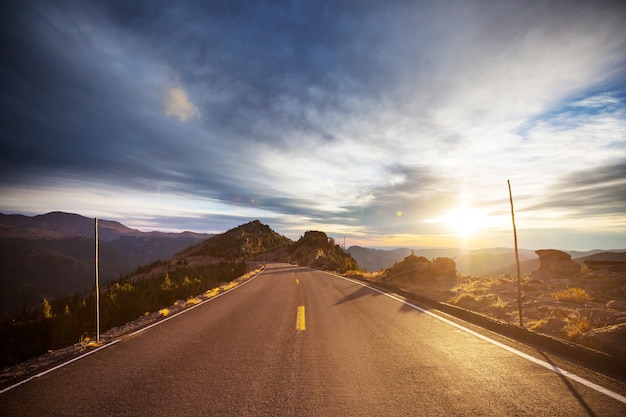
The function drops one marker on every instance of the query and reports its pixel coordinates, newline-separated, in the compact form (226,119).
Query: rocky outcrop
(418,268)
(555,264)
(316,250)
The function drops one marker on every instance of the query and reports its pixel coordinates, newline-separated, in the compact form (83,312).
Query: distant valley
(53,254)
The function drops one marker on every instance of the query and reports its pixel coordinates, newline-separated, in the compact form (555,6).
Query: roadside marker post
(97,289)
(519,280)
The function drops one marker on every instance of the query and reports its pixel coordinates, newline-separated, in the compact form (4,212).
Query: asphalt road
(298,342)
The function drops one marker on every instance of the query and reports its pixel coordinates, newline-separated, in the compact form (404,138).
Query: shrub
(573,294)
(465,300)
(576,325)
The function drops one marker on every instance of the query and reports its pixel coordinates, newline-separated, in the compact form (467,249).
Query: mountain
(53,254)
(256,241)
(59,225)
(377,259)
(316,250)
(611,256)
(243,242)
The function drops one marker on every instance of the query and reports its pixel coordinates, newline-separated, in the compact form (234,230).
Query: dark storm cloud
(255,71)
(62,108)
(256,62)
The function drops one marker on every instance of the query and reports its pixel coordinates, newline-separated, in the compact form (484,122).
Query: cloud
(177,104)
(316,115)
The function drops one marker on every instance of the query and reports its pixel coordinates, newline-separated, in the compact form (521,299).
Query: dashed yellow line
(300,320)
(297,281)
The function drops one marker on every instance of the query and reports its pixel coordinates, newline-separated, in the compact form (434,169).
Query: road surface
(298,342)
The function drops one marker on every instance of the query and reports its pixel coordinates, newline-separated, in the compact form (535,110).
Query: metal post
(519,281)
(97,290)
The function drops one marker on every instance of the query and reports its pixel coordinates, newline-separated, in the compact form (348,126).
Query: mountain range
(53,254)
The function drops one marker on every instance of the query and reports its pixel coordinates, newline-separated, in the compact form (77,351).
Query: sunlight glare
(465,221)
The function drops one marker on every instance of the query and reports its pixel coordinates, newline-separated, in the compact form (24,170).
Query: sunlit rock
(555,264)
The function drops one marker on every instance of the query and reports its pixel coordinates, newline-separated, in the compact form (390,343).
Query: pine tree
(47,309)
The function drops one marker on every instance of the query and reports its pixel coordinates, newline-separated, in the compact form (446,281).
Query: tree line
(66,320)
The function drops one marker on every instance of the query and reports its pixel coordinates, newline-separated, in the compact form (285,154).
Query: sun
(465,221)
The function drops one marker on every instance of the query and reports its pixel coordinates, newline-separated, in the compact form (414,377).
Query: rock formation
(555,264)
(418,268)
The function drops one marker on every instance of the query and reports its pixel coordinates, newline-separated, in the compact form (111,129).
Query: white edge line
(526,356)
(143,329)
(47,371)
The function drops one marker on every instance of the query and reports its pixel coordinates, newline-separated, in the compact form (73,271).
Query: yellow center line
(297,281)
(300,321)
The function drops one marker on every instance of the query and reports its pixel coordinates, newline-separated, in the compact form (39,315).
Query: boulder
(555,264)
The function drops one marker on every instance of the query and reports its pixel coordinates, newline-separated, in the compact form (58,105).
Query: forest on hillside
(68,319)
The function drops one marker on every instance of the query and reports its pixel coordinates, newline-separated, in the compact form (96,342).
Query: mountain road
(298,342)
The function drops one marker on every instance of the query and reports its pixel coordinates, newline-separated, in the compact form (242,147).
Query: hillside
(317,250)
(193,271)
(53,254)
(242,242)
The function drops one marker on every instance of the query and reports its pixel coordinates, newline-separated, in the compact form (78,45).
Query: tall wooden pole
(97,290)
(519,280)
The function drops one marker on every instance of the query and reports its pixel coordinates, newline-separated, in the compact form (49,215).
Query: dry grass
(229,286)
(87,342)
(571,294)
(212,293)
(192,302)
(576,325)
(375,276)
(537,324)
(464,300)
(250,274)
(469,300)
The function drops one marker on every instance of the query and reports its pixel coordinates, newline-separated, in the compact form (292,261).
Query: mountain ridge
(52,254)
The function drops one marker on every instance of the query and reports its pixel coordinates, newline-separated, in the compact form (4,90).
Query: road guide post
(519,282)
(97,289)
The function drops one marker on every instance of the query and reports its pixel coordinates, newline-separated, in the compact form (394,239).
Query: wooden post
(97,289)
(519,280)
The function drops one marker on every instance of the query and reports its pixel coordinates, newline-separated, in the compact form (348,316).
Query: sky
(389,124)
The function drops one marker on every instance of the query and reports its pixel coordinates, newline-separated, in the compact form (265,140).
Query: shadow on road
(361,292)
(277,270)
(570,387)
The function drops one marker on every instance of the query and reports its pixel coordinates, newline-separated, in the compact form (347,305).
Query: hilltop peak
(241,242)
